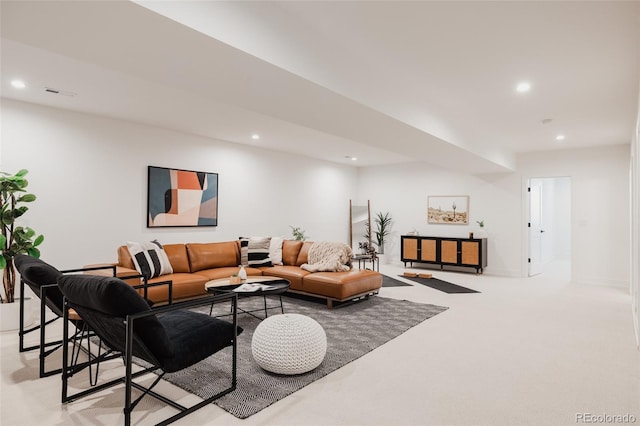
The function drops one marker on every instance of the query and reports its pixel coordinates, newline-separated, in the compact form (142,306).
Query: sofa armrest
(120,271)
(108,269)
(145,286)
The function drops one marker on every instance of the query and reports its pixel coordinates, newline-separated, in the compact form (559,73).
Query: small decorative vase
(242,273)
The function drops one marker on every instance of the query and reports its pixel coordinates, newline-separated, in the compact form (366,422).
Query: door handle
(542,231)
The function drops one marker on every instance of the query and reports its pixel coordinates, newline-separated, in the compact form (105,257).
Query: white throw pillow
(275,250)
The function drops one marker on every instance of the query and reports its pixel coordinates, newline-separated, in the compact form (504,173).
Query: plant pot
(383,259)
(10,314)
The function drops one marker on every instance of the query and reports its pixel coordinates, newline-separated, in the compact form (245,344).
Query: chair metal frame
(47,348)
(43,344)
(129,404)
(86,332)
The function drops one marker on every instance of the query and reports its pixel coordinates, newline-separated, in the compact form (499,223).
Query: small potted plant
(481,233)
(298,233)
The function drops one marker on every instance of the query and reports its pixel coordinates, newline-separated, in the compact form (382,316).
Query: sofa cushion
(124,258)
(342,285)
(292,273)
(149,258)
(226,272)
(303,256)
(290,251)
(177,254)
(213,255)
(183,286)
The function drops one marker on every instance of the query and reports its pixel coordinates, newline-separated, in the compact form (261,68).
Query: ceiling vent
(59,92)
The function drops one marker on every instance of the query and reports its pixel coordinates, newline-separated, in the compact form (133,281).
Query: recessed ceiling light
(523,87)
(348,157)
(354,158)
(255,136)
(560,137)
(18,84)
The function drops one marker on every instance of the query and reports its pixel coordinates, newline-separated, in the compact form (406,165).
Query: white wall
(403,190)
(635,226)
(90,176)
(599,206)
(599,202)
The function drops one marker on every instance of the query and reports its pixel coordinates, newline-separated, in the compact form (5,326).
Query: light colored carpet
(525,351)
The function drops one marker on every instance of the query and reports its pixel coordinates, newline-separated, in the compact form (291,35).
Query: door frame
(532,269)
(526,215)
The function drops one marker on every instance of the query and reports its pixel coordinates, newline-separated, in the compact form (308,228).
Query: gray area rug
(441,285)
(352,331)
(392,282)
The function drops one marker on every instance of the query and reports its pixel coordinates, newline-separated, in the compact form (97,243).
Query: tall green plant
(14,239)
(383,223)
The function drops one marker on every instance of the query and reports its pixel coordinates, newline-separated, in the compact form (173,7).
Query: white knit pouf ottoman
(289,344)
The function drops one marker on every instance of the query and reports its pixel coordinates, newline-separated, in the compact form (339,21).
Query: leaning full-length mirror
(360,217)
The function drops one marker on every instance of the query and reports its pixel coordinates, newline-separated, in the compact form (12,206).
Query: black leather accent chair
(170,338)
(42,279)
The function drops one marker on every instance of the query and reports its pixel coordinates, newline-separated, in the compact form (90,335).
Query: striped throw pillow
(244,251)
(149,259)
(258,251)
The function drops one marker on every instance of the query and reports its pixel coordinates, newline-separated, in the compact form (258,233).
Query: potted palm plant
(14,239)
(383,228)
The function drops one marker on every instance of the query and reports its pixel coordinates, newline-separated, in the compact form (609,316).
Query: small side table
(364,258)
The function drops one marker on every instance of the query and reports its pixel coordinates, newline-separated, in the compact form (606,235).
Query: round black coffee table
(254,286)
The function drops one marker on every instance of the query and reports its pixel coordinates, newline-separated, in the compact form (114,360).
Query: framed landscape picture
(448,209)
(181,198)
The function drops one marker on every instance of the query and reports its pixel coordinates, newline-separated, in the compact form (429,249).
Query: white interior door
(535,228)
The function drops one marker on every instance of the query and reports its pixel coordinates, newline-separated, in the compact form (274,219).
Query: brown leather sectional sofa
(196,263)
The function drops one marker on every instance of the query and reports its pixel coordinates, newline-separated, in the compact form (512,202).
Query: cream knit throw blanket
(328,256)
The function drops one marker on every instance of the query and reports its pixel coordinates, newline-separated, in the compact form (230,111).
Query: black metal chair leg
(75,349)
(93,379)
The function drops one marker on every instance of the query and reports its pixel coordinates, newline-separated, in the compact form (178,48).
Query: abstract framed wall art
(181,198)
(448,209)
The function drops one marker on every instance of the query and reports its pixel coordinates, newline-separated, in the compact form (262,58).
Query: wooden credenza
(466,252)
